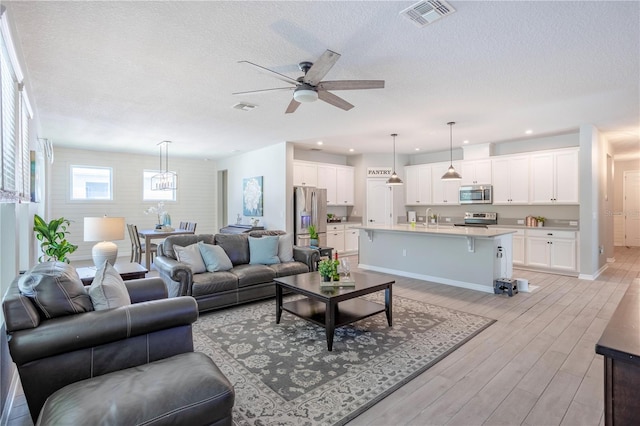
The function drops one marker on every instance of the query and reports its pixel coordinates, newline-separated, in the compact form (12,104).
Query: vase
(313,242)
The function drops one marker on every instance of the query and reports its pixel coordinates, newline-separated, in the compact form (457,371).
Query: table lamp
(104,229)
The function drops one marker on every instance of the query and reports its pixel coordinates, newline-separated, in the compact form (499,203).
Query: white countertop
(462,231)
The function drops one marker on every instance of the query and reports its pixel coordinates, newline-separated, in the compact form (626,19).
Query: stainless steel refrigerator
(310,208)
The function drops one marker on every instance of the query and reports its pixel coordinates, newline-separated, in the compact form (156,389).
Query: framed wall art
(252,196)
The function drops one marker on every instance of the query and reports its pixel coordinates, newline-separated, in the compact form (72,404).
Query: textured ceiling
(123,76)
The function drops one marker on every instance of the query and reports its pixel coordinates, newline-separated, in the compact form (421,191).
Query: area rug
(283,373)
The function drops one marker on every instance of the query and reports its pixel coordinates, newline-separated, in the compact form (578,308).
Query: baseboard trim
(611,260)
(593,277)
(437,280)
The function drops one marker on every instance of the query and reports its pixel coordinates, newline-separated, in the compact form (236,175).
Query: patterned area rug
(283,373)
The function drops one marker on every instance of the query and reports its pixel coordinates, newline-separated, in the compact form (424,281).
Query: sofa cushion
(214,257)
(183,241)
(236,246)
(107,289)
(289,268)
(253,274)
(209,283)
(55,289)
(190,256)
(263,251)
(285,248)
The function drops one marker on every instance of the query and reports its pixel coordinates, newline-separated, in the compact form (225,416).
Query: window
(91,183)
(152,195)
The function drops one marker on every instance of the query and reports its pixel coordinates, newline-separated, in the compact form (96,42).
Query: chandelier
(165,180)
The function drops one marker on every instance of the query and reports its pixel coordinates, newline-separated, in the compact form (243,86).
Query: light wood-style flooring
(535,366)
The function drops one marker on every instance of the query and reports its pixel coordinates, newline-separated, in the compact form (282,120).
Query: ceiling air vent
(243,106)
(424,13)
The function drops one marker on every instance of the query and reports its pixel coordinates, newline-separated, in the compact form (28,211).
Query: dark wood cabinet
(620,346)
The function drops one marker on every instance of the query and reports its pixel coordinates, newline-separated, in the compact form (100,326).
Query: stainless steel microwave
(476,194)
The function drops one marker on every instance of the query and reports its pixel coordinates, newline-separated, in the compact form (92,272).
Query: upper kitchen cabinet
(510,179)
(554,177)
(444,191)
(339,182)
(417,185)
(476,172)
(305,173)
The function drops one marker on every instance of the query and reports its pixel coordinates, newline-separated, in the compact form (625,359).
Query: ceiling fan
(309,87)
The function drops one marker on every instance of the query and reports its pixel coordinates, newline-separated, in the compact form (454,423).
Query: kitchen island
(466,257)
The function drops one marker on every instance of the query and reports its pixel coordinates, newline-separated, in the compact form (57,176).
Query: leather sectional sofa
(244,282)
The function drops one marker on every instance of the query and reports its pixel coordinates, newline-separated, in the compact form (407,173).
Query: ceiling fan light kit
(451,173)
(310,87)
(394,180)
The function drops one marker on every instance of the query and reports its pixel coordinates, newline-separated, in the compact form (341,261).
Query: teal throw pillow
(263,250)
(214,257)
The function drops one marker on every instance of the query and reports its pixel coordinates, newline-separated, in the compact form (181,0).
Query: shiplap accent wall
(196,199)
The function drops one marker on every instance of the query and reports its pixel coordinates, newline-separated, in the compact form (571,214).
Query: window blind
(8,105)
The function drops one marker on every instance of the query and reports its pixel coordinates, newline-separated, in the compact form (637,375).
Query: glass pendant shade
(451,173)
(394,180)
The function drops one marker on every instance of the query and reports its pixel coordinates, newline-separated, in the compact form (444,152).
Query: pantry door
(378,202)
(631,207)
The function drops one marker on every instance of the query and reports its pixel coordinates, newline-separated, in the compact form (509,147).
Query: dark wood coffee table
(337,306)
(128,271)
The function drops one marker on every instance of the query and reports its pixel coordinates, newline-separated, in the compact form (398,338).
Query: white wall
(195,200)
(270,163)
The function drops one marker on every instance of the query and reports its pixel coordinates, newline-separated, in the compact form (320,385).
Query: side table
(128,271)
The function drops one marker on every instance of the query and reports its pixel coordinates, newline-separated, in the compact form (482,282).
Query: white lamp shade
(104,229)
(305,95)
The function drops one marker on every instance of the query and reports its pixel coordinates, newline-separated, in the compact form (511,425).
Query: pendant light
(451,174)
(394,180)
(165,180)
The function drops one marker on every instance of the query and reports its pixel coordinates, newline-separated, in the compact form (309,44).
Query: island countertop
(463,231)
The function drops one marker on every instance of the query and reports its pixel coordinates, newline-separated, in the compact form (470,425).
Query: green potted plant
(54,244)
(540,220)
(328,268)
(313,236)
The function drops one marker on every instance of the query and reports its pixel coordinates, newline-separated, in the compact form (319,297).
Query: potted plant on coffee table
(328,269)
(313,236)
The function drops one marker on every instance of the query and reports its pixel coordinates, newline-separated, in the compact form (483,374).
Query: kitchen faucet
(427,218)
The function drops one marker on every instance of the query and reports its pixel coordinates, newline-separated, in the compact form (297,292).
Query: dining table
(150,234)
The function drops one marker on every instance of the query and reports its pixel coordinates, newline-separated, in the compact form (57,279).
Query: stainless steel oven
(476,194)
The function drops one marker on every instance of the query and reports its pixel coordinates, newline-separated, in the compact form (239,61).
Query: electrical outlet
(404,252)
(420,218)
(573,223)
(520,221)
(447,219)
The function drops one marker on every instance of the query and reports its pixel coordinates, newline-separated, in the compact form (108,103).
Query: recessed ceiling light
(319,142)
(528,131)
(465,141)
(417,149)
(351,149)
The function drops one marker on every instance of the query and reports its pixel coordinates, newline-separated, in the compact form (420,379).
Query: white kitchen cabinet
(444,191)
(417,185)
(551,249)
(554,177)
(510,179)
(345,186)
(351,239)
(305,173)
(518,249)
(476,172)
(335,237)
(339,183)
(327,179)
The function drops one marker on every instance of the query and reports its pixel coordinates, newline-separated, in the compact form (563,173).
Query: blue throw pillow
(263,250)
(214,257)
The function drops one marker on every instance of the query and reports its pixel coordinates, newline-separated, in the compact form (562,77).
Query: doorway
(378,202)
(223,219)
(631,207)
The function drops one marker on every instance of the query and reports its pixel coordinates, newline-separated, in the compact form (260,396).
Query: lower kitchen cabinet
(343,238)
(518,248)
(551,249)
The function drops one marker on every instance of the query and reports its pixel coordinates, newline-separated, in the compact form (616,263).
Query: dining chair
(183,225)
(132,237)
(191,226)
(140,247)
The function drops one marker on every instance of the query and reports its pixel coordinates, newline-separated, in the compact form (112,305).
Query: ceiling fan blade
(263,90)
(334,100)
(293,106)
(321,67)
(351,85)
(271,72)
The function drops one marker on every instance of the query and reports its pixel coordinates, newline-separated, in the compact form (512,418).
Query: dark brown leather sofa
(243,283)
(82,343)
